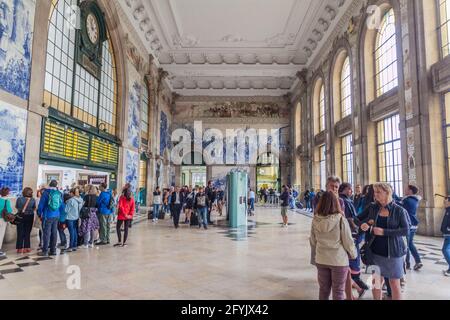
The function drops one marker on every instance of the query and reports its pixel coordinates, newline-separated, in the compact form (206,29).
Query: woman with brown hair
(26,206)
(125,215)
(89,220)
(331,246)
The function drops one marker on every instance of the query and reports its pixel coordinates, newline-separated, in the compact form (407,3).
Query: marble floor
(265,261)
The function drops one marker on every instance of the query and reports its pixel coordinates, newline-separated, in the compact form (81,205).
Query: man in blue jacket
(105,210)
(50,207)
(411,202)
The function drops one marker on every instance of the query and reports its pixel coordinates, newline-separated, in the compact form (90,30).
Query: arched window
(78,94)
(444,10)
(386,55)
(346,92)
(322,109)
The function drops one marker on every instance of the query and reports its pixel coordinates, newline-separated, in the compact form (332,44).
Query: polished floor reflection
(264,261)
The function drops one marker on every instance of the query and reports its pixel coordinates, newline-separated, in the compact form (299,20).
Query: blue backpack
(54,200)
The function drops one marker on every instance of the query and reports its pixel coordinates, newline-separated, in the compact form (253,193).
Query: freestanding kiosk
(237,199)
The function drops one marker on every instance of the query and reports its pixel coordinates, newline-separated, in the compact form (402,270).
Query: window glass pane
(386,55)
(322,109)
(347,159)
(389,153)
(445,26)
(346,97)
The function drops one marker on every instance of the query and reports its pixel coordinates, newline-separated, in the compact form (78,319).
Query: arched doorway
(193,174)
(268,174)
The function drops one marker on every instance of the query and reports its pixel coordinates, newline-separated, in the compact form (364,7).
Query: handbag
(18,218)
(366,252)
(37,223)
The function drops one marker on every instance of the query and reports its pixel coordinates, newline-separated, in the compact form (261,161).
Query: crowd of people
(374,227)
(85,212)
(371,226)
(197,204)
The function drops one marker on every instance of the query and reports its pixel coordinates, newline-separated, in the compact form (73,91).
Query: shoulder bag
(366,252)
(18,218)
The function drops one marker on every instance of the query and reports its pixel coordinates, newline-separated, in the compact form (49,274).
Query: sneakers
(446,273)
(418,266)
(91,245)
(42,254)
(85,246)
(20,251)
(124,245)
(118,245)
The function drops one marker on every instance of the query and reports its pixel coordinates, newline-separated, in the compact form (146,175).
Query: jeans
(24,231)
(308,204)
(446,250)
(412,248)
(203,214)
(105,225)
(156,208)
(62,237)
(355,264)
(50,231)
(252,204)
(73,233)
(332,279)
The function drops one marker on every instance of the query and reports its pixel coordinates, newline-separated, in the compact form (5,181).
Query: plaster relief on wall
(233,110)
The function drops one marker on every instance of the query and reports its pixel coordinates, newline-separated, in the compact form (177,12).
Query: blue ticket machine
(237,188)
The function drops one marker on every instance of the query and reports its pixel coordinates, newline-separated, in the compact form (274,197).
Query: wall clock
(90,38)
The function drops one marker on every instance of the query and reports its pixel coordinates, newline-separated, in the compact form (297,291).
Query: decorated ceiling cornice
(212,47)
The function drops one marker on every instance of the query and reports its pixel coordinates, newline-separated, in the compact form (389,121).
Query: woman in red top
(125,214)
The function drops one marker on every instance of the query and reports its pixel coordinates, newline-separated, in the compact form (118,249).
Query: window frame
(379,89)
(322,107)
(341,87)
(347,158)
(392,143)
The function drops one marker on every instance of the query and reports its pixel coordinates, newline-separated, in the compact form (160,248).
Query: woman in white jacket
(331,246)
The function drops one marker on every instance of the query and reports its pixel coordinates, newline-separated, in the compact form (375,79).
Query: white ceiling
(233,47)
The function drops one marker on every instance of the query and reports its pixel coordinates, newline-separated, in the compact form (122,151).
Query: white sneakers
(87,246)
(446,273)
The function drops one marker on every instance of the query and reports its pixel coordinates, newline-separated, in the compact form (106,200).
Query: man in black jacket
(345,193)
(211,197)
(176,203)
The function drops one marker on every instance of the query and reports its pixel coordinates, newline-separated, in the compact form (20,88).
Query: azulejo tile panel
(13,124)
(16,36)
(134,113)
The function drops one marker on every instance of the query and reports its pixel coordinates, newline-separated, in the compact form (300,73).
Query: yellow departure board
(62,141)
(66,143)
(104,152)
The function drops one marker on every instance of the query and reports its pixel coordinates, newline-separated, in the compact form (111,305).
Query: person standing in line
(386,225)
(284,197)
(252,197)
(26,206)
(200,204)
(156,204)
(105,205)
(89,219)
(345,193)
(445,229)
(331,246)
(126,211)
(176,204)
(62,225)
(115,197)
(410,203)
(5,206)
(220,201)
(72,209)
(49,210)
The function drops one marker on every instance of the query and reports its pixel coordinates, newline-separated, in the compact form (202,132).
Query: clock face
(92,28)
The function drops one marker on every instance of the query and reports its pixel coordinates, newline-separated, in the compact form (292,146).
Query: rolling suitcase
(194,219)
